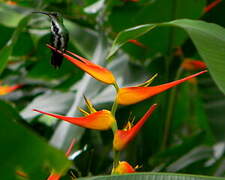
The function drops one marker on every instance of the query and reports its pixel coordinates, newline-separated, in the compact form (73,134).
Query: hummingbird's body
(59,37)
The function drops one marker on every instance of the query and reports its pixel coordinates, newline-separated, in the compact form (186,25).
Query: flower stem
(115,128)
(114,108)
(172,98)
(116,159)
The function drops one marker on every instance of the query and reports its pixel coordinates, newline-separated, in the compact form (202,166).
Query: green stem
(170,110)
(115,127)
(116,160)
(115,104)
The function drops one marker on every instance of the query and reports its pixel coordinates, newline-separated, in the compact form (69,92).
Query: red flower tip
(123,137)
(191,64)
(70,147)
(132,95)
(7,89)
(54,176)
(98,72)
(100,120)
(212,5)
(137,43)
(57,176)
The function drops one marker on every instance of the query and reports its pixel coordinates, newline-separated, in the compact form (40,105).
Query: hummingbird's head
(53,15)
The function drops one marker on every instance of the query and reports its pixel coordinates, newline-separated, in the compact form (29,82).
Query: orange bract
(212,5)
(98,72)
(100,120)
(137,43)
(123,137)
(132,95)
(54,176)
(191,64)
(7,89)
(123,168)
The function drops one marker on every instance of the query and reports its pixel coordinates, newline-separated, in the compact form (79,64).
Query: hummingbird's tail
(56,59)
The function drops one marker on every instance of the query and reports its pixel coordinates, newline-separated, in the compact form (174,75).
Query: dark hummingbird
(59,37)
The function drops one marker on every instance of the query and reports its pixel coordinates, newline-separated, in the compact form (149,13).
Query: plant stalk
(169,115)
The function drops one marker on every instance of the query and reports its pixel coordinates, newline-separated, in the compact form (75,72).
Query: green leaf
(6,51)
(22,150)
(208,38)
(46,102)
(8,16)
(160,40)
(197,154)
(154,176)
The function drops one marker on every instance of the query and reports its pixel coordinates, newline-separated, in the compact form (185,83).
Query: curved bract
(132,95)
(100,120)
(123,137)
(98,72)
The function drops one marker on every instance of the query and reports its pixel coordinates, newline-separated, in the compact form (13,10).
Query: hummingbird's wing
(56,59)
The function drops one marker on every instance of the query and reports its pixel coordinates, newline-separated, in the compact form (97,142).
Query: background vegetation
(194,142)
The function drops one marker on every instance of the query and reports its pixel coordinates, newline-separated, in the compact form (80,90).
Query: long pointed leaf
(208,38)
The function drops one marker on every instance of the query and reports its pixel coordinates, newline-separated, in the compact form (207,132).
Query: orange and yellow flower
(123,137)
(132,95)
(100,120)
(192,65)
(7,89)
(98,72)
(123,168)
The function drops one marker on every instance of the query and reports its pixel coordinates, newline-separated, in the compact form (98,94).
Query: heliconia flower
(123,137)
(132,95)
(98,72)
(137,43)
(11,2)
(7,89)
(191,64)
(211,5)
(54,176)
(57,176)
(100,120)
(123,168)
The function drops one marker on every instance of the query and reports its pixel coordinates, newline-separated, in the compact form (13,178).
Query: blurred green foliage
(195,142)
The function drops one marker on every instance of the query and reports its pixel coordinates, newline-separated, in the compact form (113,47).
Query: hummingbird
(59,37)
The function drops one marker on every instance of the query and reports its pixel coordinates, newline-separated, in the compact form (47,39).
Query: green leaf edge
(152,174)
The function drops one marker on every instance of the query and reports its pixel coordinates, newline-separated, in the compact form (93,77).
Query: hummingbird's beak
(40,12)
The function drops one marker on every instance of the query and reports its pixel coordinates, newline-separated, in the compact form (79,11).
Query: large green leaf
(9,16)
(23,151)
(46,102)
(6,51)
(159,40)
(154,176)
(208,38)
